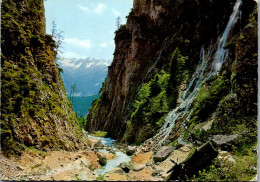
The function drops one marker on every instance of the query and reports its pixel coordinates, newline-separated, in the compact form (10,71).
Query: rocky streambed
(105,160)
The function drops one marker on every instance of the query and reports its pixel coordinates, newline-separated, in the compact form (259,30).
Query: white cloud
(116,12)
(79,43)
(97,10)
(100,8)
(74,64)
(84,8)
(68,54)
(103,45)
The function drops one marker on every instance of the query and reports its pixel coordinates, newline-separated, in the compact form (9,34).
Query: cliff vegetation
(35,111)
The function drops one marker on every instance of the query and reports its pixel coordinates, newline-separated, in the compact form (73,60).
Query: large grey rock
(198,160)
(102,158)
(125,167)
(224,141)
(130,150)
(162,154)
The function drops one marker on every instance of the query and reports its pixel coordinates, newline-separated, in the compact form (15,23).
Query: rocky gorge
(182,76)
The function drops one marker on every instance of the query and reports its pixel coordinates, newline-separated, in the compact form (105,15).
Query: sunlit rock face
(153,30)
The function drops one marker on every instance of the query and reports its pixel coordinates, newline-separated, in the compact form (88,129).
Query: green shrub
(241,171)
(176,144)
(178,73)
(151,103)
(28,73)
(99,133)
(208,98)
(82,121)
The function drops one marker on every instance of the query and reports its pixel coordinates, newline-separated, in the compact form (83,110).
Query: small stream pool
(111,164)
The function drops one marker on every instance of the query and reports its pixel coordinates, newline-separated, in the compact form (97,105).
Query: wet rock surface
(102,158)
(130,150)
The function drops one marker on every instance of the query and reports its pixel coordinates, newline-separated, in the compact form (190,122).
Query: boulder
(98,144)
(162,154)
(148,164)
(196,161)
(138,167)
(125,167)
(116,174)
(102,158)
(130,150)
(142,158)
(177,156)
(224,141)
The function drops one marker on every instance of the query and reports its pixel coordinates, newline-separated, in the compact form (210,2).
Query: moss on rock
(35,110)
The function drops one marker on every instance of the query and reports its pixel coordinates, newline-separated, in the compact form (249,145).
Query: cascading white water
(221,54)
(198,77)
(185,104)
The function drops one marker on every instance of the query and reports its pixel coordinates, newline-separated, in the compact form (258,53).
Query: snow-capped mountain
(88,74)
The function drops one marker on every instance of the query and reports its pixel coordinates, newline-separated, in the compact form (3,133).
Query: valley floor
(99,163)
(80,165)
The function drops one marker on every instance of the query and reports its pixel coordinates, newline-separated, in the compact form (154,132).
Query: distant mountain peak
(80,63)
(87,73)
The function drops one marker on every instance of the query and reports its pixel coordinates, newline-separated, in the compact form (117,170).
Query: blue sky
(88,25)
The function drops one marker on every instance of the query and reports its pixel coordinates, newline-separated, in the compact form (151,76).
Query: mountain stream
(111,164)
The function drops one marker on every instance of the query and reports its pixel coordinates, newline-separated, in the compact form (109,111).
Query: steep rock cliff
(159,35)
(229,100)
(35,111)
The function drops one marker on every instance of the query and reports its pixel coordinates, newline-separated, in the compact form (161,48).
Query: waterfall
(221,54)
(199,76)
